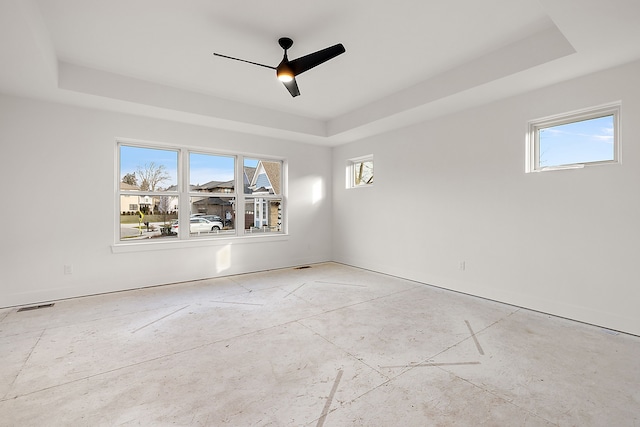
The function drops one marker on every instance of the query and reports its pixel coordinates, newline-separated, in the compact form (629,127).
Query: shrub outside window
(574,140)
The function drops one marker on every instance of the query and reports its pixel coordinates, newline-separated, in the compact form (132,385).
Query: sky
(202,167)
(580,142)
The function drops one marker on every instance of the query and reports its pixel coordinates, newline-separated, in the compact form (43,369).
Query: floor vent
(35,307)
(303,267)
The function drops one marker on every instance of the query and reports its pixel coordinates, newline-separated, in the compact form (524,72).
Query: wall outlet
(462,265)
(68,269)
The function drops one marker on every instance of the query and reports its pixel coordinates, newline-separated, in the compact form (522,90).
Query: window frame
(265,199)
(351,169)
(190,193)
(184,194)
(535,126)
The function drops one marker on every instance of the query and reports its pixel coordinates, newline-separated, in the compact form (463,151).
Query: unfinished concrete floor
(328,345)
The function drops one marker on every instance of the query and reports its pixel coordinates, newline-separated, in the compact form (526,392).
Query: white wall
(58,166)
(448,190)
(454,189)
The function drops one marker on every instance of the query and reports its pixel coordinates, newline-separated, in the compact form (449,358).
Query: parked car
(212,218)
(198,225)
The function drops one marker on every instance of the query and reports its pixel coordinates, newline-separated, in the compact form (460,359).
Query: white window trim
(350,171)
(239,237)
(532,160)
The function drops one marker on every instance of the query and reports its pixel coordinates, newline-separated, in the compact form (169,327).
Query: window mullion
(183,185)
(240,196)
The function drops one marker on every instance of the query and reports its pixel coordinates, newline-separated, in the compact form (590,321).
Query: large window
(164,191)
(574,140)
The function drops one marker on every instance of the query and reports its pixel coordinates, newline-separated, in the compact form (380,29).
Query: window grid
(229,195)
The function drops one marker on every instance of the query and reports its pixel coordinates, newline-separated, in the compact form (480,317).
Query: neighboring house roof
(175,188)
(267,177)
(273,170)
(130,187)
(212,201)
(249,171)
(211,186)
(207,186)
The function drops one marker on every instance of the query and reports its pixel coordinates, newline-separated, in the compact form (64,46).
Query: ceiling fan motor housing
(285,42)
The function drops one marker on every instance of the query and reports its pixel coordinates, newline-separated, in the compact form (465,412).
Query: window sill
(118,248)
(575,166)
(559,168)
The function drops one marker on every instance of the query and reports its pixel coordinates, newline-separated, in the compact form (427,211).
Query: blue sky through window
(204,168)
(579,142)
(251,162)
(132,158)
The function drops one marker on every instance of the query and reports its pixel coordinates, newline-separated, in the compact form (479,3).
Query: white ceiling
(405,60)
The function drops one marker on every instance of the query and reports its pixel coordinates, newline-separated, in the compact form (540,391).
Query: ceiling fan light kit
(287,70)
(284,72)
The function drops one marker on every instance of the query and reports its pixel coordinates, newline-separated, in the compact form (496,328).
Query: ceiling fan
(287,70)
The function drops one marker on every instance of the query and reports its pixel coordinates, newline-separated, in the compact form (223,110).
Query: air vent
(36,307)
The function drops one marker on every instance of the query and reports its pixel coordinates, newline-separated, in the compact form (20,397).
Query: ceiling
(406,61)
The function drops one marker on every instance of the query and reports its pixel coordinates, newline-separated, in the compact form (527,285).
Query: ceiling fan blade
(307,62)
(244,60)
(292,87)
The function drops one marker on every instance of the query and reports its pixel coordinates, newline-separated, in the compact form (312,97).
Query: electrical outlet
(462,265)
(68,269)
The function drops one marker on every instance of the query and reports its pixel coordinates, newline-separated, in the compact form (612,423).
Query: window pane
(579,142)
(363,173)
(148,169)
(147,217)
(211,174)
(262,176)
(220,212)
(262,215)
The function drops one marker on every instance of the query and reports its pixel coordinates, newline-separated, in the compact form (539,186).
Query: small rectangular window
(360,172)
(574,140)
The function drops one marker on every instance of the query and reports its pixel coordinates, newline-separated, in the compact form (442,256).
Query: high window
(177,193)
(360,172)
(574,140)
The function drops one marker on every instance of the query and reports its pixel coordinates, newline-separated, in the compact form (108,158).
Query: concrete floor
(329,345)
